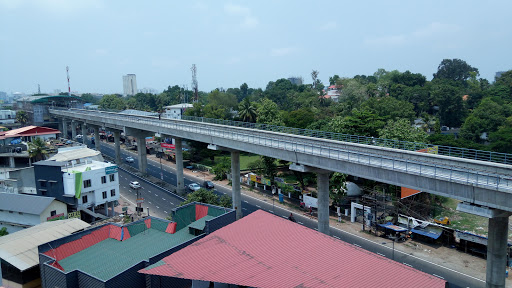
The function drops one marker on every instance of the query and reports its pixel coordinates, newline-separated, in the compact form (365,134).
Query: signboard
(259,179)
(111,170)
(74,215)
(140,200)
(56,217)
(169,146)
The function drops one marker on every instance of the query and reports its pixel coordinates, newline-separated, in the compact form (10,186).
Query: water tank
(353,189)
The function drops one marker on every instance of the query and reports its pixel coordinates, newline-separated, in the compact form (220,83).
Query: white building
(19,211)
(176,111)
(129,85)
(7,116)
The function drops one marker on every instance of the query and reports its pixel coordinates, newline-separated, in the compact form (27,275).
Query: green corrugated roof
(111,257)
(199,224)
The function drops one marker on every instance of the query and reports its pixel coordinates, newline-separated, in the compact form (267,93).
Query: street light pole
(161,172)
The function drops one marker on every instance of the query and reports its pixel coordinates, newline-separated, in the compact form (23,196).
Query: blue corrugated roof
(393,227)
(430,234)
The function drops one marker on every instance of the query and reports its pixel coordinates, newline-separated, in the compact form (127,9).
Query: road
(161,202)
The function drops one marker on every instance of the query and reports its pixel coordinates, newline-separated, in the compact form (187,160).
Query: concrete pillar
(84,133)
(97,138)
(60,126)
(117,145)
(106,208)
(235,181)
(497,251)
(180,181)
(73,129)
(64,128)
(11,162)
(323,202)
(142,153)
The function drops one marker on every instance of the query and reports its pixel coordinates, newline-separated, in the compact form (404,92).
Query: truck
(309,201)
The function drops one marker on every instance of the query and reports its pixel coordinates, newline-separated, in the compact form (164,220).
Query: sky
(232,42)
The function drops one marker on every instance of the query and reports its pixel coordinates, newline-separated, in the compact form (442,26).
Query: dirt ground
(444,256)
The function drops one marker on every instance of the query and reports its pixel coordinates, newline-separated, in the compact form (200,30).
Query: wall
(25,179)
(95,191)
(56,189)
(17,218)
(56,205)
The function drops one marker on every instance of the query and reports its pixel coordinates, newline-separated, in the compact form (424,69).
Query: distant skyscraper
(498,74)
(296,80)
(129,85)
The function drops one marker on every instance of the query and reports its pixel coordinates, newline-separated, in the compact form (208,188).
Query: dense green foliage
(209,197)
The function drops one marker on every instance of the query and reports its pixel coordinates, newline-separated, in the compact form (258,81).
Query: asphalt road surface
(161,202)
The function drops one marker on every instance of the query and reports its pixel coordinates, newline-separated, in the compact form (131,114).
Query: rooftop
(20,248)
(29,204)
(241,254)
(74,153)
(28,131)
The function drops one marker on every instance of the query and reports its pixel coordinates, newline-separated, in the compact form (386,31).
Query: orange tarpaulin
(406,192)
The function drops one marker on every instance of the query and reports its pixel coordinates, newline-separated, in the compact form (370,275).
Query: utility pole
(194,82)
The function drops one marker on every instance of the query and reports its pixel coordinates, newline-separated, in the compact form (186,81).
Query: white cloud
(392,40)
(329,26)
(278,52)
(430,33)
(247,21)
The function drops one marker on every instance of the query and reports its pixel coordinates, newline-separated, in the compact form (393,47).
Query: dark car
(208,185)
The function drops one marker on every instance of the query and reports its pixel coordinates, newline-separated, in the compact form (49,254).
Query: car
(190,167)
(79,136)
(194,187)
(135,185)
(208,185)
(129,159)
(69,142)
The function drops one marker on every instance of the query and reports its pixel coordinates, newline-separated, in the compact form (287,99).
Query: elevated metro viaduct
(484,187)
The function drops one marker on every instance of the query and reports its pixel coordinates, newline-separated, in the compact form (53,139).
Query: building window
(53,213)
(103,179)
(84,198)
(87,183)
(112,192)
(112,177)
(104,193)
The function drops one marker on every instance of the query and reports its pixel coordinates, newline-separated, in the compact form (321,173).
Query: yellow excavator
(443,220)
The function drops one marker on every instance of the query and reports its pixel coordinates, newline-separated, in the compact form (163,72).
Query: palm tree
(247,111)
(37,149)
(22,117)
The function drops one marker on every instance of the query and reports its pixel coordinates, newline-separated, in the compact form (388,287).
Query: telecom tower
(69,87)
(194,82)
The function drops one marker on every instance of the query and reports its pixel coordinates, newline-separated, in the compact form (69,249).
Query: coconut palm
(22,117)
(247,111)
(37,149)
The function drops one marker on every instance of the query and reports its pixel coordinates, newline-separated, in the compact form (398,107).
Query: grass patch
(463,221)
(245,160)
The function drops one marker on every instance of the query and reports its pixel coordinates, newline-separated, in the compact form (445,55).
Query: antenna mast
(194,82)
(69,87)
(38,89)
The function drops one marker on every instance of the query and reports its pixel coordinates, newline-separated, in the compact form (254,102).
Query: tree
(268,113)
(244,90)
(353,93)
(401,129)
(454,69)
(390,108)
(226,201)
(299,118)
(360,122)
(37,149)
(247,111)
(487,117)
(221,169)
(3,231)
(337,187)
(112,102)
(89,98)
(448,97)
(501,140)
(22,117)
(314,76)
(269,167)
(203,196)
(333,79)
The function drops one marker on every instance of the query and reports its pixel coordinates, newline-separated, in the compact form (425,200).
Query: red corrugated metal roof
(28,131)
(263,250)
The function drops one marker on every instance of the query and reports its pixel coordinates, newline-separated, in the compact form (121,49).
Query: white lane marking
(142,187)
(149,202)
(258,206)
(381,254)
(156,195)
(244,208)
(245,201)
(438,276)
(157,207)
(171,203)
(163,199)
(336,237)
(409,265)
(316,229)
(284,217)
(165,212)
(300,223)
(357,245)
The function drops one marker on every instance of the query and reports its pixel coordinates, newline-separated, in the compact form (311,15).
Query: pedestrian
(310,211)
(291,218)
(159,116)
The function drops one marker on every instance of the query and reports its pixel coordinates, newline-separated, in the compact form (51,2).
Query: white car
(129,159)
(135,185)
(194,187)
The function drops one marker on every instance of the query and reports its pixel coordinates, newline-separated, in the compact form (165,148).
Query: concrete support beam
(97,138)
(117,145)
(11,162)
(323,201)
(73,129)
(497,252)
(142,153)
(84,133)
(64,128)
(235,181)
(61,129)
(180,181)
